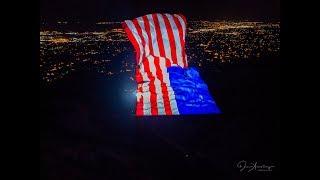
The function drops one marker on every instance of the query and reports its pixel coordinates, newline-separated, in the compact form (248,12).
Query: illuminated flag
(166,86)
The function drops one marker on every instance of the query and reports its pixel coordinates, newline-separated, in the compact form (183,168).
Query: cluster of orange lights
(59,40)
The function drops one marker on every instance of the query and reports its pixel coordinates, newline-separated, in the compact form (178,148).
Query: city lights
(110,53)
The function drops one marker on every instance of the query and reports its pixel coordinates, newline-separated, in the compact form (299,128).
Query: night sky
(118,10)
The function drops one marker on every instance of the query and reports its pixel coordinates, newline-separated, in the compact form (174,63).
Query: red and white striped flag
(159,42)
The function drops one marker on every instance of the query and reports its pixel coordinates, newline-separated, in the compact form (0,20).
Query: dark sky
(118,10)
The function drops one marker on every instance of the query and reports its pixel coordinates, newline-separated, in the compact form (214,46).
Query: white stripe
(157,83)
(160,104)
(139,93)
(176,39)
(143,73)
(146,99)
(153,36)
(145,36)
(183,26)
(137,37)
(172,97)
(165,37)
(145,92)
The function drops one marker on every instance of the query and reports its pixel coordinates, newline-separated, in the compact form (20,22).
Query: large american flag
(159,42)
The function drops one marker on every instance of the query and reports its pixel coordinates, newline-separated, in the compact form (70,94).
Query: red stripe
(158,72)
(139,78)
(132,40)
(136,25)
(139,106)
(157,67)
(159,38)
(147,28)
(171,39)
(184,19)
(180,29)
(152,88)
(166,100)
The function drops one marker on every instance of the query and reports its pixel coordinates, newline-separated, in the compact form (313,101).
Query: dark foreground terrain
(89,131)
